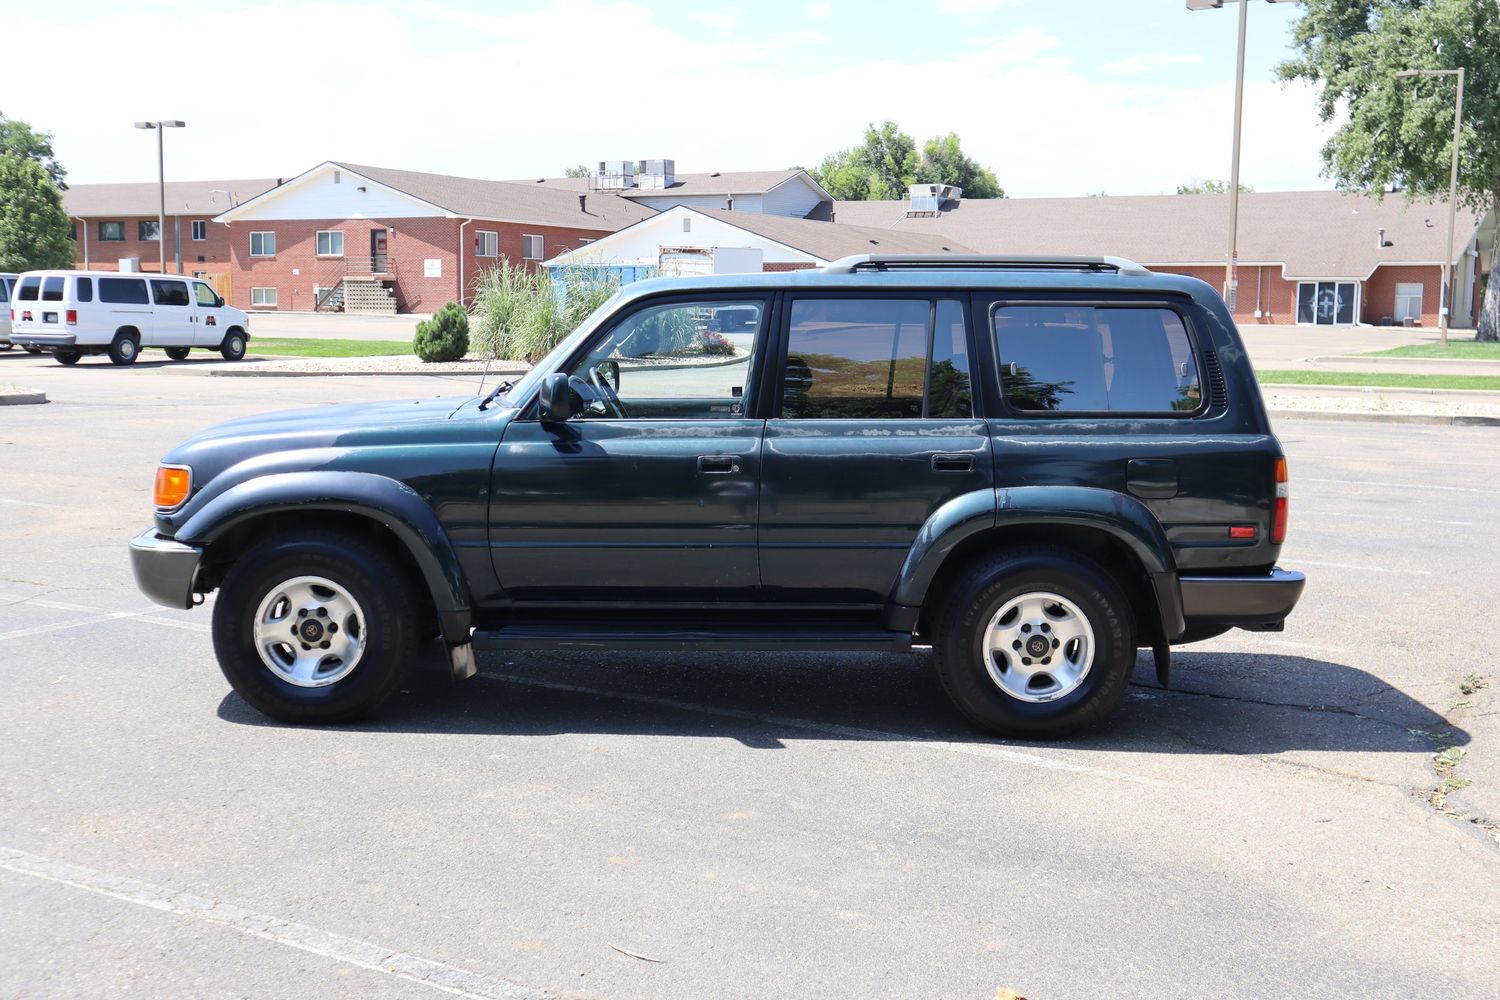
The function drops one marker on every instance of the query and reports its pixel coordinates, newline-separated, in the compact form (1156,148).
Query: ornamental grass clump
(520,315)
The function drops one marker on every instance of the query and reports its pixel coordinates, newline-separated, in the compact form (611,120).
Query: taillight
(72,317)
(1279,512)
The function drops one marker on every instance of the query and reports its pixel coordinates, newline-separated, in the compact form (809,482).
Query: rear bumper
(43,339)
(1241,600)
(164,569)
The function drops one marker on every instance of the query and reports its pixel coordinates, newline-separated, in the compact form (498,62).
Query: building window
(263,245)
(200,230)
(486,244)
(531,247)
(1326,303)
(147,232)
(584,242)
(263,297)
(73,231)
(111,232)
(1408,301)
(330,243)
(687,225)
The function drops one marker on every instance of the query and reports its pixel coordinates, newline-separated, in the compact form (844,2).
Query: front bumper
(1245,601)
(164,569)
(51,340)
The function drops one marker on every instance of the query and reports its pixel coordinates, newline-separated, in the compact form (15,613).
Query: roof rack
(963,262)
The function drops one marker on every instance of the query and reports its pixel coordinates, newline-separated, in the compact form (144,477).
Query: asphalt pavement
(747,825)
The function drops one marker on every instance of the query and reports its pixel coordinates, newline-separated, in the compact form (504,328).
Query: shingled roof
(89,201)
(1315,234)
(716,183)
(832,240)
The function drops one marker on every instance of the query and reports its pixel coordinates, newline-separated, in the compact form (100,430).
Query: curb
(1489,364)
(313,373)
(1355,416)
(21,398)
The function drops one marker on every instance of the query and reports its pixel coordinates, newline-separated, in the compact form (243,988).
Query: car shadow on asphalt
(1234,703)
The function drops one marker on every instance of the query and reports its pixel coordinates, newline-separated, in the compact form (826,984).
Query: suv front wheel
(1036,643)
(315,629)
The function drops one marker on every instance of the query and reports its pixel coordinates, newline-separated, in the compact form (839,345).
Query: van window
(4,290)
(52,288)
(123,291)
(1068,358)
(206,295)
(83,289)
(170,293)
(29,288)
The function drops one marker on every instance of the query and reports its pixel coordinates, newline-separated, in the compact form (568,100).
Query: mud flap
(1162,654)
(461,661)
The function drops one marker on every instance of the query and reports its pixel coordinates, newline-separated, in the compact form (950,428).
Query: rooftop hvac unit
(657,173)
(616,174)
(930,199)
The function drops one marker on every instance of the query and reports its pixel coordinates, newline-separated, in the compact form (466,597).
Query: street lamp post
(1458,110)
(161,184)
(1232,261)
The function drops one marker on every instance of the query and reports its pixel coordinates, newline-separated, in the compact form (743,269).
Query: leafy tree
(891,156)
(33,225)
(1400,130)
(578,171)
(945,162)
(22,140)
(1211,186)
(844,175)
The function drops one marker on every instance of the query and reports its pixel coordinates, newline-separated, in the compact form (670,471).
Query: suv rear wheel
(1035,643)
(315,629)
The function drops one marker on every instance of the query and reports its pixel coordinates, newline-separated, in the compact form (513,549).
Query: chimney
(1380,239)
(584,198)
(730,206)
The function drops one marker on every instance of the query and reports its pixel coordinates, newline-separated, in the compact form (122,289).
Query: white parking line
(1414,488)
(1372,569)
(98,615)
(833,729)
(1403,519)
(351,951)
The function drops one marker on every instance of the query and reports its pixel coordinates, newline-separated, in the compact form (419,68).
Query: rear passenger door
(174,324)
(874,428)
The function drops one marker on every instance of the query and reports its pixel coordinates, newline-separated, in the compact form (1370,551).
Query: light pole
(1458,110)
(1232,261)
(161,183)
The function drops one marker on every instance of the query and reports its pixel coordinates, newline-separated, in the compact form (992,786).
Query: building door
(378,251)
(1327,303)
(1409,301)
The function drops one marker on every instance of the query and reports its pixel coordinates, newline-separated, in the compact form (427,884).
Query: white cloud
(819,11)
(1151,63)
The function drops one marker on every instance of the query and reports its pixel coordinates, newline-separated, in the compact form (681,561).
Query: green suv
(1033,467)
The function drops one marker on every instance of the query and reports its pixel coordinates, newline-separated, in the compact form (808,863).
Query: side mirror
(555,403)
(609,370)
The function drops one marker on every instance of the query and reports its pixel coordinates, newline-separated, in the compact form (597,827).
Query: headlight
(173,483)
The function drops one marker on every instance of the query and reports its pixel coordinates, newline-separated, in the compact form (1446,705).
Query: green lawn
(1465,350)
(300,347)
(1389,380)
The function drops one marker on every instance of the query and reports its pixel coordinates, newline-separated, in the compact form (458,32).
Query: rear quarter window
(1077,358)
(28,290)
(52,288)
(123,291)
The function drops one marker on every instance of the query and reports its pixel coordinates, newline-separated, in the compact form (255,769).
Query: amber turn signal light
(172,485)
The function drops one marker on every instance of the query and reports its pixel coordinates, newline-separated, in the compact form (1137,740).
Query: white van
(6,281)
(73,313)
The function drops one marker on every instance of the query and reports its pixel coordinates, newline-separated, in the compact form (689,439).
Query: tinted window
(123,291)
(948,392)
(856,358)
(672,361)
(83,289)
(206,296)
(169,293)
(1087,359)
(111,231)
(4,290)
(29,288)
(52,288)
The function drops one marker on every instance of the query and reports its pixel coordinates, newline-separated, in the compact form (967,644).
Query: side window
(1067,358)
(206,295)
(4,290)
(83,289)
(29,289)
(52,288)
(869,359)
(686,361)
(169,293)
(123,291)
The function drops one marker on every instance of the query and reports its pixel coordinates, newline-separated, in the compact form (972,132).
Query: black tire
(982,592)
(66,356)
(379,587)
(33,350)
(233,345)
(6,346)
(124,349)
(178,353)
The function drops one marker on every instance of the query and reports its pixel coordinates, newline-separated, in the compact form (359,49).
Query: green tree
(1210,185)
(33,225)
(844,175)
(22,140)
(891,156)
(578,171)
(945,162)
(1399,130)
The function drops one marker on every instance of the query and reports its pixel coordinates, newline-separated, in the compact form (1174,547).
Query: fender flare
(388,502)
(1122,517)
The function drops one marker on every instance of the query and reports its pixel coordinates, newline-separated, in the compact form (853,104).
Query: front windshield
(555,357)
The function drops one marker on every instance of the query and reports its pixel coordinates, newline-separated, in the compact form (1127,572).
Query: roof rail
(962,261)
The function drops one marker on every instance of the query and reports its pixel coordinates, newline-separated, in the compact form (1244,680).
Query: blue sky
(1060,97)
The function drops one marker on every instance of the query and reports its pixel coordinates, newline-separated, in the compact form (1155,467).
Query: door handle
(952,463)
(718,465)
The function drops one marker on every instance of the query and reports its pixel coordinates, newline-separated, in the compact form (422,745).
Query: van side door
(174,314)
(124,302)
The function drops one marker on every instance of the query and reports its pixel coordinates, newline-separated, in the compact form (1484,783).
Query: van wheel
(66,357)
(1035,643)
(178,353)
(124,349)
(233,347)
(6,346)
(315,628)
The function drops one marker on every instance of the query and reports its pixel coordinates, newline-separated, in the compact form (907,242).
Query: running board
(728,636)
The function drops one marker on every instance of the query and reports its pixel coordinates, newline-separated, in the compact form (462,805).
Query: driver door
(650,494)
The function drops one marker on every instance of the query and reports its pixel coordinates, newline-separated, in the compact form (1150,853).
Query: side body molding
(387,501)
(1122,517)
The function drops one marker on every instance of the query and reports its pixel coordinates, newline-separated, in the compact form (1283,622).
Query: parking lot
(746,825)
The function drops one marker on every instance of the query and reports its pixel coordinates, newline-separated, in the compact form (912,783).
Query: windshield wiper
(502,387)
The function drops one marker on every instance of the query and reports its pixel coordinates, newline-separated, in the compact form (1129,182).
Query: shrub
(445,337)
(520,315)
